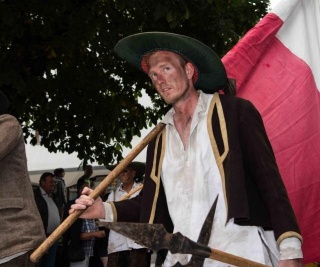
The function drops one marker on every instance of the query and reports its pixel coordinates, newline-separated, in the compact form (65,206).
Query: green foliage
(59,70)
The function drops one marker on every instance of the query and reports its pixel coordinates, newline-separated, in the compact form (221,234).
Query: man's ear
(189,70)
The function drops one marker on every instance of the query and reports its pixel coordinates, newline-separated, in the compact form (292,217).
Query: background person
(123,251)
(60,191)
(82,234)
(49,214)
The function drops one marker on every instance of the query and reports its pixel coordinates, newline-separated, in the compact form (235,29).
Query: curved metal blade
(203,239)
(153,236)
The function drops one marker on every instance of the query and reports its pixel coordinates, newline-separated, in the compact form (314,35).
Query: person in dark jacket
(49,214)
(81,236)
(60,191)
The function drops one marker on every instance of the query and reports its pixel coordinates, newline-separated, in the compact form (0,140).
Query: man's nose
(160,79)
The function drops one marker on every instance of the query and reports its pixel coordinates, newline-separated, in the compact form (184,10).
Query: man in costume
(213,144)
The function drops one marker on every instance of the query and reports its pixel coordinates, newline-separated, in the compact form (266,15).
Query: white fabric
(301,32)
(290,248)
(108,213)
(118,242)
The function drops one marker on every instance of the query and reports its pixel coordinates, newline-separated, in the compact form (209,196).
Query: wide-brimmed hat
(138,166)
(210,72)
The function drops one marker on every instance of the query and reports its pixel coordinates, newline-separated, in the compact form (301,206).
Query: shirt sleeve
(108,213)
(290,248)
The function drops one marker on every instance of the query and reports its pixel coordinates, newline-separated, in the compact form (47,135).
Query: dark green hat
(210,72)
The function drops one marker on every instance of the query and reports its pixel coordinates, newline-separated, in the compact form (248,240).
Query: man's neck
(183,116)
(186,107)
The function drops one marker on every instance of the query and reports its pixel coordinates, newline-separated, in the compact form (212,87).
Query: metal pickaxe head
(155,236)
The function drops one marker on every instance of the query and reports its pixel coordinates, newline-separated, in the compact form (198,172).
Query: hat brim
(139,167)
(211,71)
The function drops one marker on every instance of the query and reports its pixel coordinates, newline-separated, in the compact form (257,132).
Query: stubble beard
(175,99)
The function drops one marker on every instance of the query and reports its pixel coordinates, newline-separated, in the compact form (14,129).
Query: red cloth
(281,81)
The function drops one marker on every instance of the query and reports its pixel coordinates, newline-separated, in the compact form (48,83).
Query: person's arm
(261,164)
(97,234)
(94,208)
(290,252)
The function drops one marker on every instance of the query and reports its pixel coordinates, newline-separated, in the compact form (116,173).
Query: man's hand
(100,234)
(94,208)
(290,263)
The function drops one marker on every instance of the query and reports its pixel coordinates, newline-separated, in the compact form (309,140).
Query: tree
(59,70)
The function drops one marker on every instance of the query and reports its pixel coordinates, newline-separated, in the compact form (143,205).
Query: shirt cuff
(290,248)
(108,213)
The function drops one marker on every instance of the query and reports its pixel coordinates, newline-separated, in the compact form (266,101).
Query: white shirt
(53,212)
(118,242)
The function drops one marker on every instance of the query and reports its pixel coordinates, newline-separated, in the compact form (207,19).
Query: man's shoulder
(10,124)
(231,103)
(37,191)
(233,98)
(8,117)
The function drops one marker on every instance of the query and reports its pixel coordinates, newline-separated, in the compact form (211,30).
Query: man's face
(127,176)
(48,184)
(170,79)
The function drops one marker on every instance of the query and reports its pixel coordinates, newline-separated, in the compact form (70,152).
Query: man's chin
(169,100)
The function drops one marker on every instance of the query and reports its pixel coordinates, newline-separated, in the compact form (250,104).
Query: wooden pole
(65,225)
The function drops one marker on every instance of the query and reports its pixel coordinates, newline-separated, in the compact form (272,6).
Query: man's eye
(166,68)
(153,75)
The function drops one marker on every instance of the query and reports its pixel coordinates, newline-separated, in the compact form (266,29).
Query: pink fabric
(282,87)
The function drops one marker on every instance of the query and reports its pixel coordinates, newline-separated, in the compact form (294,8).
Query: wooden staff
(65,225)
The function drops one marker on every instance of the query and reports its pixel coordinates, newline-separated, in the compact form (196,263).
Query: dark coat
(254,190)
(72,235)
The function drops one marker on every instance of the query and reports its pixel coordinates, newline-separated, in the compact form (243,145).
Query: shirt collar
(201,106)
(43,193)
(134,186)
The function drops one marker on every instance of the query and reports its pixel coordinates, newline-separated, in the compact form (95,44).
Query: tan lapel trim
(157,176)
(216,102)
